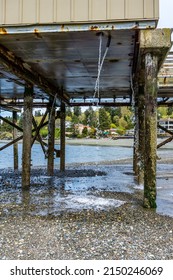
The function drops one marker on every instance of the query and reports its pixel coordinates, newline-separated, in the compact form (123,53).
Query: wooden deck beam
(24,71)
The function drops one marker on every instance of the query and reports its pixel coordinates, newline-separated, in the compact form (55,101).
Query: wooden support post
(135,147)
(51,140)
(151,70)
(62,143)
(141,134)
(153,48)
(27,137)
(15,145)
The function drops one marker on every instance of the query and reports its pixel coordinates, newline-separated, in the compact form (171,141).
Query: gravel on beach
(128,232)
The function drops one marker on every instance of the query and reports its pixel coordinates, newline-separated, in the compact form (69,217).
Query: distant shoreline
(128,143)
(91,142)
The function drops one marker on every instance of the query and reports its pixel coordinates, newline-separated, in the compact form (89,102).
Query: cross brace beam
(35,129)
(167,140)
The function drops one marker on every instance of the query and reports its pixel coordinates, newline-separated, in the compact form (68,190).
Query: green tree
(170,111)
(44,132)
(5,127)
(112,125)
(37,113)
(85,132)
(75,119)
(116,120)
(104,119)
(123,123)
(114,112)
(90,117)
(57,133)
(69,112)
(92,132)
(20,121)
(162,112)
(77,111)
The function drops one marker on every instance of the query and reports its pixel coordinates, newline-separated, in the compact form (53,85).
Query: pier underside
(60,68)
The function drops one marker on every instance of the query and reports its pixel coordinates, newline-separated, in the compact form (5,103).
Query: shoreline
(126,143)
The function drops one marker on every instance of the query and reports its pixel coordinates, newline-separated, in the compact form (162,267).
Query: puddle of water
(89,202)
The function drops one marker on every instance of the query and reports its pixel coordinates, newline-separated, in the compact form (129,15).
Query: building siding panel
(46,11)
(63,11)
(98,9)
(12,11)
(80,10)
(1,10)
(134,9)
(156,8)
(115,10)
(148,8)
(29,11)
(66,11)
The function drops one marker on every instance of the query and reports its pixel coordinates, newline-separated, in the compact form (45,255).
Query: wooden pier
(54,64)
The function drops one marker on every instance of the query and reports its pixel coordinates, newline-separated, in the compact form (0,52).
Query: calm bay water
(74,154)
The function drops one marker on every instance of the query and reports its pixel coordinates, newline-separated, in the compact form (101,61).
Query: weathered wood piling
(154,45)
(15,145)
(27,136)
(51,139)
(62,138)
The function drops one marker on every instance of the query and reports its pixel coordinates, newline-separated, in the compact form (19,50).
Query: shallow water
(54,196)
(74,154)
(79,189)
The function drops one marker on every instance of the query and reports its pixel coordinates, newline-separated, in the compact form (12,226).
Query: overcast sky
(166,14)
